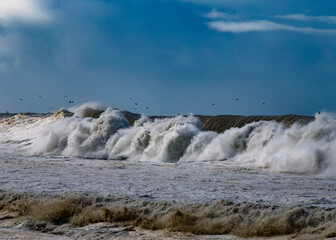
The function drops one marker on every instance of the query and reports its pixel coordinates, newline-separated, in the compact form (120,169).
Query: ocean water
(261,179)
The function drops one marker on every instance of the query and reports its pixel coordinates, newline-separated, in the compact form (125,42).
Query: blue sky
(172,56)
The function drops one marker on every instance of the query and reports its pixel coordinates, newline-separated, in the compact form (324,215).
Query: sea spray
(78,136)
(300,148)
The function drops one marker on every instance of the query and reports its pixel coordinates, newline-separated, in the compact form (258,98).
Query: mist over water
(300,148)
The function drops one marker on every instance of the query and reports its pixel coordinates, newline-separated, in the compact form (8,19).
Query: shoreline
(47,213)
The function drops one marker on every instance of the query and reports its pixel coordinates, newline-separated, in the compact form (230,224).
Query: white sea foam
(307,148)
(80,110)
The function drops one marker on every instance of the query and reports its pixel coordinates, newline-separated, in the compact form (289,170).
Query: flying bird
(213,104)
(71,102)
(136,104)
(237,99)
(318,112)
(21,99)
(146,107)
(263,102)
(39,96)
(134,108)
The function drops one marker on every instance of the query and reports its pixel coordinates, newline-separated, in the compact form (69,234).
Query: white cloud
(306,18)
(214,14)
(262,25)
(24,10)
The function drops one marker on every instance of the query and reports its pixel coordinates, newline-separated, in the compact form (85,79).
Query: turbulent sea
(92,173)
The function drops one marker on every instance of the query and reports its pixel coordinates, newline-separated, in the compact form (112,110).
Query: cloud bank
(223,22)
(262,25)
(307,18)
(24,10)
(214,14)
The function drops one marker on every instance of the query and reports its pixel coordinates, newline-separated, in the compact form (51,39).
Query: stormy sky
(172,56)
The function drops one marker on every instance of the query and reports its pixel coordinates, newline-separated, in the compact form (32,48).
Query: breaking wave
(288,143)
